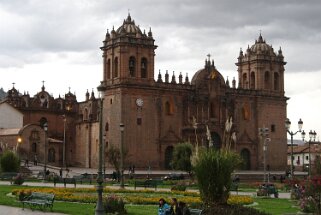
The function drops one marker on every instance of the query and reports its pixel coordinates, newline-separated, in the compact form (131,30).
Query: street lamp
(264,132)
(45,127)
(19,140)
(99,206)
(122,128)
(288,126)
(312,135)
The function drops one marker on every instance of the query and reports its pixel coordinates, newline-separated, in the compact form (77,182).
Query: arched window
(42,121)
(132,66)
(267,80)
(108,69)
(115,67)
(252,80)
(246,157)
(168,108)
(51,155)
(244,80)
(276,81)
(246,111)
(144,68)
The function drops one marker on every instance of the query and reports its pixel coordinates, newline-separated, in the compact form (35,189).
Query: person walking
(164,208)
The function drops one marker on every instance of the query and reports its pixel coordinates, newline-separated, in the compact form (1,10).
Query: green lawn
(270,205)
(276,206)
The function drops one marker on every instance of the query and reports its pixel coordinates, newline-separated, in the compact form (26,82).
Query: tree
(182,157)
(9,162)
(113,157)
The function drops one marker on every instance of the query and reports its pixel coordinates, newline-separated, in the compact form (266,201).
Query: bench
(41,200)
(8,176)
(267,190)
(83,178)
(65,181)
(195,211)
(234,187)
(147,183)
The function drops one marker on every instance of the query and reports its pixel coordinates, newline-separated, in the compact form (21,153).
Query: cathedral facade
(158,114)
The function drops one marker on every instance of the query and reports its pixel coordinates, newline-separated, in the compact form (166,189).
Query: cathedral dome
(261,47)
(129,27)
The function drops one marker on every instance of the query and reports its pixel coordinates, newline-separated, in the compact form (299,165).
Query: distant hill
(3,94)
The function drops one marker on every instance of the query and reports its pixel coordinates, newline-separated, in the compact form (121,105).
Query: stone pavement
(19,211)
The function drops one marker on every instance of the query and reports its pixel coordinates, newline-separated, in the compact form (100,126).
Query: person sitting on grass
(164,208)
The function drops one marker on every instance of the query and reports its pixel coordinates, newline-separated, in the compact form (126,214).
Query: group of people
(175,208)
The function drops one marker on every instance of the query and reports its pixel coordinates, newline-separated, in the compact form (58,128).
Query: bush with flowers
(310,195)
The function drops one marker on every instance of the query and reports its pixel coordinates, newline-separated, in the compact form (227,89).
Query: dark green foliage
(213,171)
(182,157)
(178,187)
(114,204)
(9,162)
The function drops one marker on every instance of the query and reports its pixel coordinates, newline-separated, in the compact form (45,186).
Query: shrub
(182,157)
(213,170)
(9,162)
(178,188)
(115,204)
(18,180)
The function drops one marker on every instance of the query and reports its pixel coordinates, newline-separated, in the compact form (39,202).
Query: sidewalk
(19,211)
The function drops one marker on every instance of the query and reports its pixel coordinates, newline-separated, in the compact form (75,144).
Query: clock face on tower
(139,102)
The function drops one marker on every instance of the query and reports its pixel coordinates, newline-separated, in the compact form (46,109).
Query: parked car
(174,176)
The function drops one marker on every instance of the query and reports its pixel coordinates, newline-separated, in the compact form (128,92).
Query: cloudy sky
(58,41)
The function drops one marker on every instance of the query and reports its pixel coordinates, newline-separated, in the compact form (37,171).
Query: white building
(10,117)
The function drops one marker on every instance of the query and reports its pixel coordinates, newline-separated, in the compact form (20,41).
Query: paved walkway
(6,210)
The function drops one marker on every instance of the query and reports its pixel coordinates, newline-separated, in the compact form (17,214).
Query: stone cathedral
(160,113)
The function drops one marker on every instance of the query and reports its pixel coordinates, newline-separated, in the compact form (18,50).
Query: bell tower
(128,55)
(260,68)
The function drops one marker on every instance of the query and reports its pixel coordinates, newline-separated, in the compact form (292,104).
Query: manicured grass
(269,205)
(276,206)
(72,208)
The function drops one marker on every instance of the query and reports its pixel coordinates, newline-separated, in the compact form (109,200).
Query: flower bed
(89,195)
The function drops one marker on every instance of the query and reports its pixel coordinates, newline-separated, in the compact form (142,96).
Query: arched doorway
(216,139)
(168,157)
(246,158)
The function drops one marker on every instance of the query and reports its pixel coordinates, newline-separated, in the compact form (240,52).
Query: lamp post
(312,135)
(264,132)
(288,126)
(19,140)
(99,206)
(45,127)
(122,128)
